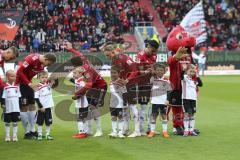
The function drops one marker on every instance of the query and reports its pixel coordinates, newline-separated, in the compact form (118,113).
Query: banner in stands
(9,23)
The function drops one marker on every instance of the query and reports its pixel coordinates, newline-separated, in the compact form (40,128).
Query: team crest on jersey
(25,64)
(129,61)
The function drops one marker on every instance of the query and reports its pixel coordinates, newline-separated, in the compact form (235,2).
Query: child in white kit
(116,104)
(82,106)
(160,87)
(190,82)
(11,97)
(44,99)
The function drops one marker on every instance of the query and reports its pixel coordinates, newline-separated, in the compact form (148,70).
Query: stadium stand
(86,23)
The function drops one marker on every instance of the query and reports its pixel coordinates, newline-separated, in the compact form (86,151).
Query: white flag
(194,23)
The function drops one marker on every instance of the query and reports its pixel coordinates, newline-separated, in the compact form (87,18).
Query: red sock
(177,117)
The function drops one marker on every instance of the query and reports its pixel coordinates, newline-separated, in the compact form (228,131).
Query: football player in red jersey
(128,72)
(95,87)
(145,60)
(5,56)
(32,65)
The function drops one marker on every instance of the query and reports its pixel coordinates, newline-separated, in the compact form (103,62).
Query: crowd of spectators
(87,23)
(222,16)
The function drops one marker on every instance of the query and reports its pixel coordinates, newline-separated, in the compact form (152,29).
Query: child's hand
(42,109)
(184,67)
(167,103)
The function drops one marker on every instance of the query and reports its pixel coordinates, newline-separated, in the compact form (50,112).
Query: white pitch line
(61,95)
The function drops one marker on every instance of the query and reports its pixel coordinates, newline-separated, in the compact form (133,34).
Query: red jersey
(144,60)
(1,60)
(29,68)
(176,71)
(92,78)
(127,65)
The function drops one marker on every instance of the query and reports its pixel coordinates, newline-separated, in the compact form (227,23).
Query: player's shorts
(143,93)
(175,98)
(27,95)
(189,106)
(44,117)
(159,108)
(116,112)
(11,117)
(82,113)
(96,97)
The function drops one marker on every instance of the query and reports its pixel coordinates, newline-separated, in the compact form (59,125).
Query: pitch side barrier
(222,61)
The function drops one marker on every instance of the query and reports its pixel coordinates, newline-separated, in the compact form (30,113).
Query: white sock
(85,127)
(142,115)
(164,125)
(136,118)
(7,127)
(15,129)
(40,130)
(98,124)
(88,126)
(120,126)
(114,126)
(191,124)
(80,127)
(24,118)
(153,127)
(31,116)
(48,130)
(149,117)
(186,124)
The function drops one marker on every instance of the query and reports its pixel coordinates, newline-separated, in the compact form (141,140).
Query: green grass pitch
(218,118)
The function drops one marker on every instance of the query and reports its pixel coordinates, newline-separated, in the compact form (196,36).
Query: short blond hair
(10,71)
(79,69)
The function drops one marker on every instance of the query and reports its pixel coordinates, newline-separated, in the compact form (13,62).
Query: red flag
(9,23)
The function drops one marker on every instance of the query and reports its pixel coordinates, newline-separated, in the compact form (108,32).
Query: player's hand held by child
(34,87)
(149,70)
(121,82)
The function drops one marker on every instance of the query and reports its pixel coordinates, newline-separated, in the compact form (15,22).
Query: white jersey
(81,102)
(160,86)
(44,94)
(189,88)
(202,59)
(116,98)
(11,94)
